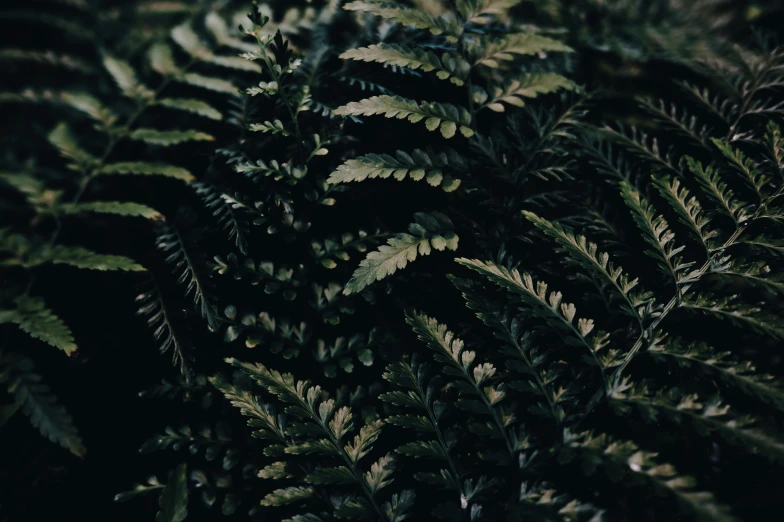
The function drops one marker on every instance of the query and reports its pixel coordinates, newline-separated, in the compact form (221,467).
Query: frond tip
(428,230)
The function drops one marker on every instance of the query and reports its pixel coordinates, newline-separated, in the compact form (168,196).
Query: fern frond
(449,118)
(459,362)
(145,169)
(491,53)
(126,79)
(708,417)
(428,230)
(558,315)
(639,466)
(119,208)
(191,105)
(745,166)
(447,67)
(171,242)
(530,85)
(34,318)
(586,254)
(153,308)
(189,41)
(419,165)
(80,257)
(209,83)
(723,368)
(409,17)
(736,313)
(717,190)
(227,212)
(657,234)
(689,211)
(36,400)
(168,138)
(174,497)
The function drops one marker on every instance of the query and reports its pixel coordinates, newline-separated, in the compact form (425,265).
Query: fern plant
(121,130)
(476,47)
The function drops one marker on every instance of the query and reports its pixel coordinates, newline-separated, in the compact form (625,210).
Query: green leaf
(656,233)
(126,79)
(380,474)
(446,66)
(145,169)
(32,316)
(112,207)
(338,475)
(37,402)
(190,42)
(445,116)
(530,85)
(587,255)
(191,105)
(169,137)
(290,495)
(174,498)
(83,258)
(410,17)
(491,53)
(210,83)
(162,60)
(419,165)
(713,187)
(65,142)
(428,230)
(363,442)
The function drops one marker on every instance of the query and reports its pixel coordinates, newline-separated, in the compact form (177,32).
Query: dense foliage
(465,260)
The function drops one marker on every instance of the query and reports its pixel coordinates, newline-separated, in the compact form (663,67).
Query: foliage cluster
(467,260)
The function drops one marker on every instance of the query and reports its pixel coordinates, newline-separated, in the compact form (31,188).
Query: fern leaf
(642,467)
(586,254)
(729,309)
(126,79)
(83,258)
(656,233)
(66,61)
(290,495)
(88,105)
(227,211)
(410,17)
(419,165)
(36,401)
(34,318)
(191,105)
(145,169)
(65,142)
(447,67)
(152,306)
(529,85)
(210,83)
(174,498)
(558,315)
(689,211)
(186,37)
(161,60)
(261,417)
(428,230)
(171,242)
(722,368)
(749,171)
(714,188)
(449,118)
(169,137)
(491,53)
(118,208)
